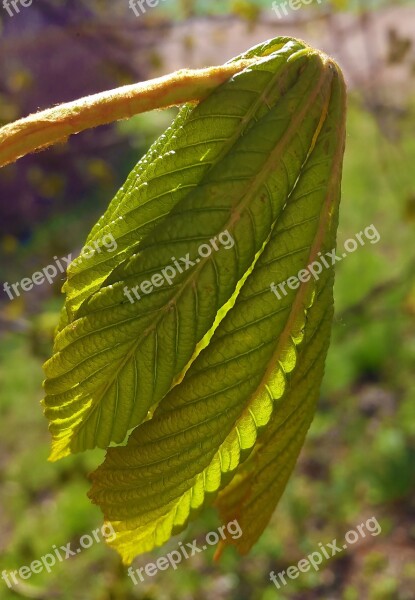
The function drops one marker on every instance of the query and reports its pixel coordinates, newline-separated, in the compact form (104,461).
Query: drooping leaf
(237,420)
(230,164)
(259,483)
(255,490)
(172,167)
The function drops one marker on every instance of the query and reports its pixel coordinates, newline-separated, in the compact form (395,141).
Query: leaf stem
(54,125)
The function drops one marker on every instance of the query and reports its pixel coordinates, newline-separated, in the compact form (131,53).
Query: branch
(54,125)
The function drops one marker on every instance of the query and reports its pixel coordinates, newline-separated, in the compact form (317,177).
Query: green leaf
(260,481)
(227,165)
(161,178)
(134,212)
(238,418)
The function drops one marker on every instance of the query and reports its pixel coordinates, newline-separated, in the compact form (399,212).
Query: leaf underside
(216,375)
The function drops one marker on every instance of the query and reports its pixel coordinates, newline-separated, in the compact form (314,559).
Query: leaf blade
(82,391)
(176,453)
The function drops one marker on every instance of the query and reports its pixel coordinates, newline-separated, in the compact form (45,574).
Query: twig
(54,125)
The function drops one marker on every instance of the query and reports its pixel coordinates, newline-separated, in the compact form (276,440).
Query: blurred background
(359,457)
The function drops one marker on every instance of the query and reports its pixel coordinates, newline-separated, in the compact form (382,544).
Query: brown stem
(56,124)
